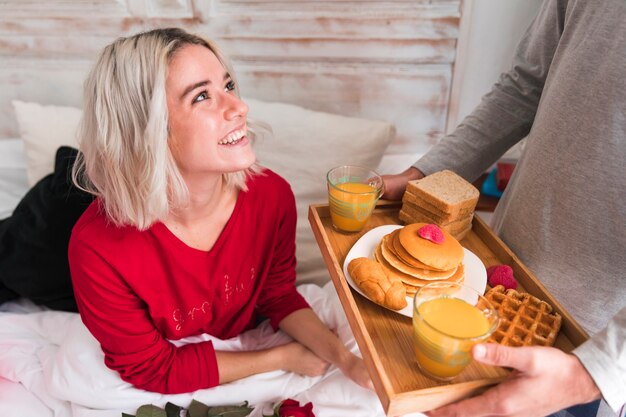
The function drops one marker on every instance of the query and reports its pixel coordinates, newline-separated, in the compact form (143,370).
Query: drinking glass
(352,195)
(448,319)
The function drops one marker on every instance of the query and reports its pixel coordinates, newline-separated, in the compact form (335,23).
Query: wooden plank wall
(389,60)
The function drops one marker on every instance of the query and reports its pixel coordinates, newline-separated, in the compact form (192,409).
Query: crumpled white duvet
(54,356)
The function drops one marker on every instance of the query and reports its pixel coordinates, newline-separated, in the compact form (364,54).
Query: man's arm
(505,115)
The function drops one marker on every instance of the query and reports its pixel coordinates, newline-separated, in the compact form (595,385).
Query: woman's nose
(235,107)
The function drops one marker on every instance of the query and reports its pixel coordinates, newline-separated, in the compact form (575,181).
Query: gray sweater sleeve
(604,357)
(505,115)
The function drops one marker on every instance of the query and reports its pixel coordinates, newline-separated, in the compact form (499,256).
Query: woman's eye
(230,86)
(201,97)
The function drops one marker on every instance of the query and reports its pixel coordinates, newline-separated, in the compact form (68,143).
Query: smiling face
(207,121)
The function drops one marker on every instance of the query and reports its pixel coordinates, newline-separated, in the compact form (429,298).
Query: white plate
(475,272)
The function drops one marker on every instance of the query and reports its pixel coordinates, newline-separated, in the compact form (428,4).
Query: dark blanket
(34,240)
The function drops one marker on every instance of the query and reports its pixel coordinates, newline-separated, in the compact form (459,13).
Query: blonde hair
(125,157)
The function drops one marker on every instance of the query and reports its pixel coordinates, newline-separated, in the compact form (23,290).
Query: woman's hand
(297,358)
(395,185)
(354,368)
(544,380)
(304,326)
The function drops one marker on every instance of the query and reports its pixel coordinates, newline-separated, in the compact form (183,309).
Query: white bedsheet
(50,366)
(56,359)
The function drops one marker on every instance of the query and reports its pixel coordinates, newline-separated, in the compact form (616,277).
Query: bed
(370,85)
(51,366)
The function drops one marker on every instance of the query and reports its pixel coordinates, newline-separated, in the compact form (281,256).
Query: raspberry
(501,275)
(431,232)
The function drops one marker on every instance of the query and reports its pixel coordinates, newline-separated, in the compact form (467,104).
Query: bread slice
(458,230)
(419,215)
(446,191)
(460,235)
(432,211)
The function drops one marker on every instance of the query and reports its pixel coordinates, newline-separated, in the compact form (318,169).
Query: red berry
(501,275)
(431,232)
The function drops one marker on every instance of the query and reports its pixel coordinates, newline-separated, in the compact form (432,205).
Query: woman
(188,235)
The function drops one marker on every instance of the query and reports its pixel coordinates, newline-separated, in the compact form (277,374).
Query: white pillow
(304,145)
(44,129)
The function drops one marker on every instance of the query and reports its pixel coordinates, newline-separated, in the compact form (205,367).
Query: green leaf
(150,410)
(172,410)
(231,410)
(197,409)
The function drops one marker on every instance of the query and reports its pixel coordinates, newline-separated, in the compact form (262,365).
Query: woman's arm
(292,357)
(305,327)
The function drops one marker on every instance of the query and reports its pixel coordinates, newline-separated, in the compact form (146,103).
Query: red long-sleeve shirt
(135,290)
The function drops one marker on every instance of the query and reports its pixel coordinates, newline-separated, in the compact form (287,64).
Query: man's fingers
(520,358)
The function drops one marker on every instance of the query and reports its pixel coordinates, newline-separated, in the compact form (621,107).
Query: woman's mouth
(233,137)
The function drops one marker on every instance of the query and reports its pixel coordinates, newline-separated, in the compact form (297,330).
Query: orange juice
(351,204)
(445,331)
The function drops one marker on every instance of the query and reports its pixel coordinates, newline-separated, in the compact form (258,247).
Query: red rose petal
(431,232)
(292,408)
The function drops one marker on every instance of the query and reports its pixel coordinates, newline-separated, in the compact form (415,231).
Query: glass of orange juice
(448,319)
(352,195)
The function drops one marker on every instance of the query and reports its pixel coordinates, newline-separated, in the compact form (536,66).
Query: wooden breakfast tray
(385,338)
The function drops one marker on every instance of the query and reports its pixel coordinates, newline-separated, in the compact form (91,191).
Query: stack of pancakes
(416,261)
(443,198)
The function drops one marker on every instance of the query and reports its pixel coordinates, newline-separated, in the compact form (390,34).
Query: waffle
(525,320)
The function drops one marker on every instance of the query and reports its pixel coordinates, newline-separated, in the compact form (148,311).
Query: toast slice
(458,230)
(446,191)
(419,215)
(428,209)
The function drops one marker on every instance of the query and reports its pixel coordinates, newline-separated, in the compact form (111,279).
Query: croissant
(376,285)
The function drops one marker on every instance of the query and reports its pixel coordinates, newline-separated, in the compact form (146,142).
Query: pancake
(421,273)
(389,268)
(458,277)
(446,255)
(405,256)
(393,272)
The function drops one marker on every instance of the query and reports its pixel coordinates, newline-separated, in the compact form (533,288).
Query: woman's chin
(239,159)
(243,163)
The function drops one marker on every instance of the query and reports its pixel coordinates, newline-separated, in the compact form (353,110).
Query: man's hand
(395,185)
(544,380)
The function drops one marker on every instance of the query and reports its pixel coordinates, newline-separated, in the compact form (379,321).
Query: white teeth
(233,137)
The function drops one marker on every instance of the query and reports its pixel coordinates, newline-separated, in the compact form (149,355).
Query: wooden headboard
(390,60)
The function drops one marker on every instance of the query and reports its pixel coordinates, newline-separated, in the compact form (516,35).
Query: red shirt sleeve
(279,296)
(132,345)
